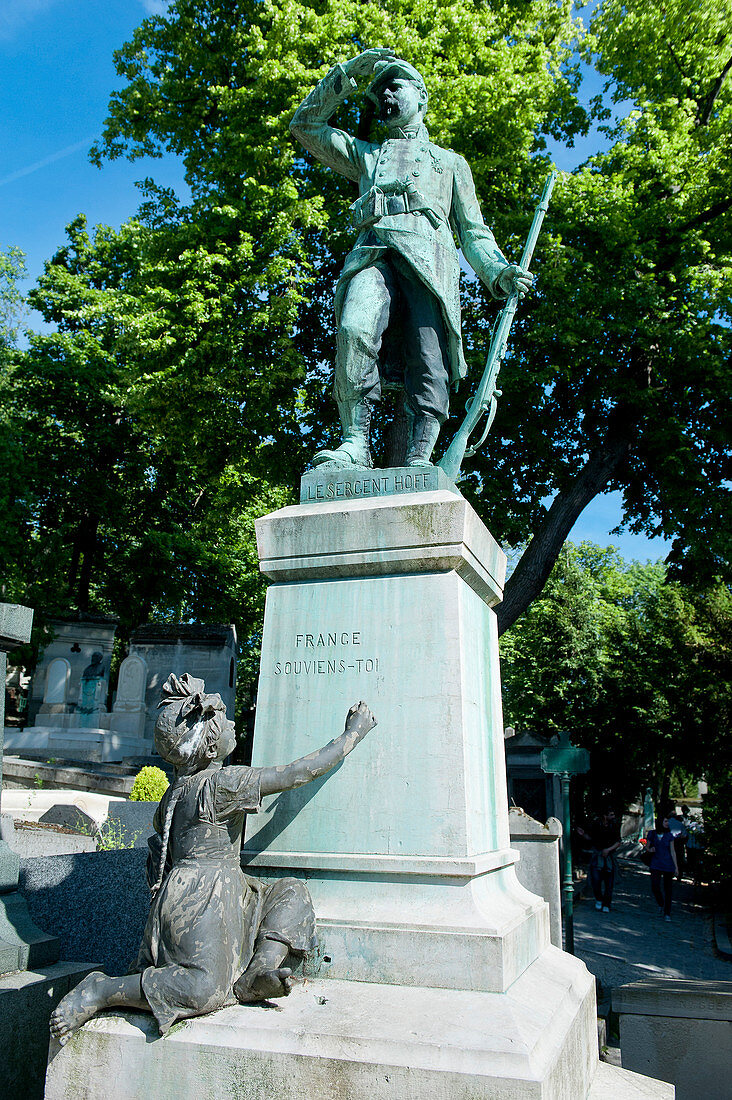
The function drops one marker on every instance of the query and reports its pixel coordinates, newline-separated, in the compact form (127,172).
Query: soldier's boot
(355,448)
(423,432)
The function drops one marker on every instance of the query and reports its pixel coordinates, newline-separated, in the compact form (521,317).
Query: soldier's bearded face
(400,103)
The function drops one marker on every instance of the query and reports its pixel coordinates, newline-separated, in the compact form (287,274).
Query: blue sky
(56,57)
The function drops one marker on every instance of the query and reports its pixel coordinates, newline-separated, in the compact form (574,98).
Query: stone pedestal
(435,976)
(405,847)
(337,1040)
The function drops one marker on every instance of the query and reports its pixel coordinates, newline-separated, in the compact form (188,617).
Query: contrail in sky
(48,160)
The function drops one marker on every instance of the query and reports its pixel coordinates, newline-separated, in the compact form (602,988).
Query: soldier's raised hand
(514,280)
(366,62)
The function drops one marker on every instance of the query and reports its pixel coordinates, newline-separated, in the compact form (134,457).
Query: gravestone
(32,982)
(207,651)
(56,695)
(128,712)
(74,641)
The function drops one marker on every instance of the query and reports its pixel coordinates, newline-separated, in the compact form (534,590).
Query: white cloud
(14,14)
(65,152)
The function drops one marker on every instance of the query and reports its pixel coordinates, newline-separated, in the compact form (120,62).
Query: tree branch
(715,90)
(531,574)
(709,215)
(676,61)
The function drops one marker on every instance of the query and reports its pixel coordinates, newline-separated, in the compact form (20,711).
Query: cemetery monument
(434,973)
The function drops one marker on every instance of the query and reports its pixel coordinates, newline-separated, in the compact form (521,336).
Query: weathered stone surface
(538,867)
(323,484)
(96,903)
(49,840)
(613,1083)
(340,1040)
(205,650)
(431,532)
(351,1041)
(678,1030)
(24,775)
(407,852)
(129,711)
(27,1000)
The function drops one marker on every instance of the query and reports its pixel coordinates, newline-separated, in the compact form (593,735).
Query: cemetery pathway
(632,942)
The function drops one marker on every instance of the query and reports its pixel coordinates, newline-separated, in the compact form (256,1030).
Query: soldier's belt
(395,199)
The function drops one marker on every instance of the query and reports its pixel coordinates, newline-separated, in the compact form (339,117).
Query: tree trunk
(88,541)
(531,574)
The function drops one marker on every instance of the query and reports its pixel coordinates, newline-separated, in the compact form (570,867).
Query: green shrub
(150,785)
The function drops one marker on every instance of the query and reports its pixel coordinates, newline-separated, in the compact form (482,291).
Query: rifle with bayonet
(485,399)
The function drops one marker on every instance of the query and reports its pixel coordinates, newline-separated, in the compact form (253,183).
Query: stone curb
(721,936)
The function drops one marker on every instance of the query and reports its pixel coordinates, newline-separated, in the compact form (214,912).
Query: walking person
(664,864)
(604,836)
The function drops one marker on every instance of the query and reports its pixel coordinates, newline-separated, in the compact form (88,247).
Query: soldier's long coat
(443,179)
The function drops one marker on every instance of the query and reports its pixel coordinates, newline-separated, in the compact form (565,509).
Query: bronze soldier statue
(398,295)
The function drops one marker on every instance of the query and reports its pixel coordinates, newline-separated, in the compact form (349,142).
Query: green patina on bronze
(397,301)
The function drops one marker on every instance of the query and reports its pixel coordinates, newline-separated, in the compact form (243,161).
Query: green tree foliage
(131,492)
(620,372)
(634,666)
(12,269)
(624,382)
(188,380)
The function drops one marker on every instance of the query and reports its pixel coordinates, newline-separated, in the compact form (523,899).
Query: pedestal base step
(339,1040)
(613,1083)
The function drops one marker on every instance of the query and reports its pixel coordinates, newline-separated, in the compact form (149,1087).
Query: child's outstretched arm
(283,778)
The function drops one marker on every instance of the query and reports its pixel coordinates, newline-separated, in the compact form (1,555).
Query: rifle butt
(452,459)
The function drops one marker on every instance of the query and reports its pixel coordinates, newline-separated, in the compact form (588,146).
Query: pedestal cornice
(428,532)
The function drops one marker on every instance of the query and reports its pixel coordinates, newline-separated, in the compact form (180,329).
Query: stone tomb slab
(341,1040)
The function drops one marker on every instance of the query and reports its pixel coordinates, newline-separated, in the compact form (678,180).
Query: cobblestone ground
(633,942)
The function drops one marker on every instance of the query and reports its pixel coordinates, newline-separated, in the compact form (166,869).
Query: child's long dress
(204,922)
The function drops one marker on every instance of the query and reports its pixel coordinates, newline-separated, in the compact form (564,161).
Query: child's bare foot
(78,1006)
(263,985)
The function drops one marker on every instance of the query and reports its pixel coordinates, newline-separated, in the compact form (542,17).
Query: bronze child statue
(214,935)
